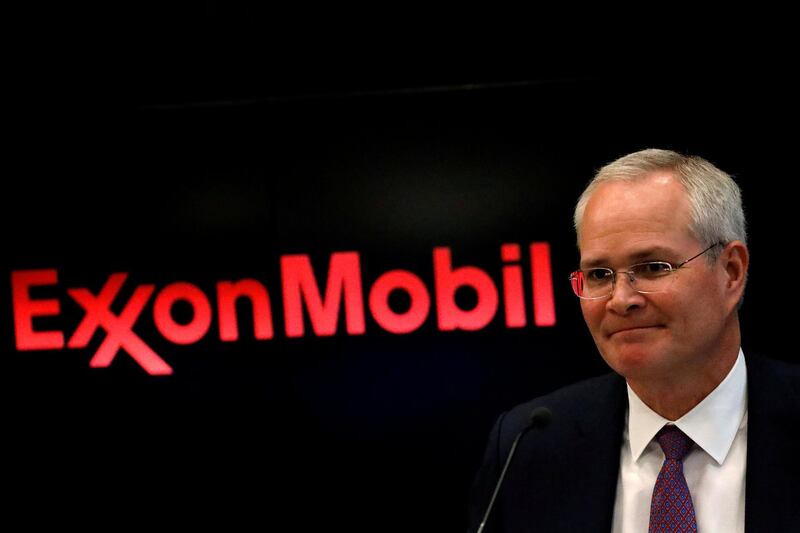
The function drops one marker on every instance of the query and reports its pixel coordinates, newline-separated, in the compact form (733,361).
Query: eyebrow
(662,252)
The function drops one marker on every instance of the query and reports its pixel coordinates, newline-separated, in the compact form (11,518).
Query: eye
(598,275)
(652,269)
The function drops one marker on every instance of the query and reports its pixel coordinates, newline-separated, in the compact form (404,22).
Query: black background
(203,159)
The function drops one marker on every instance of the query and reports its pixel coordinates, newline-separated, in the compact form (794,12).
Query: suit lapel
(601,442)
(566,476)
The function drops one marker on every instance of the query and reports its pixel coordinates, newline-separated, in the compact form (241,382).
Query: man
(688,434)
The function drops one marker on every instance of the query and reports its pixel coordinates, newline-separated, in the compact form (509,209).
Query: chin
(632,360)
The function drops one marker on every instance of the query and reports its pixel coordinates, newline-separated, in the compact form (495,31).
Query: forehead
(627,220)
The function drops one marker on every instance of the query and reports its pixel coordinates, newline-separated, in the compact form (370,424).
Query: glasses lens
(653,276)
(576,279)
(592,283)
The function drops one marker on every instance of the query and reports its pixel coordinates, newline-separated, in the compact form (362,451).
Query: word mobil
(300,291)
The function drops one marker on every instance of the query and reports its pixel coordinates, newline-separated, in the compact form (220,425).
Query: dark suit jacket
(564,477)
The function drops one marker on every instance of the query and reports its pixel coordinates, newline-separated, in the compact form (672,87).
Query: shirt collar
(712,424)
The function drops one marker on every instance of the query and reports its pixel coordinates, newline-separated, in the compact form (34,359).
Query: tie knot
(674,442)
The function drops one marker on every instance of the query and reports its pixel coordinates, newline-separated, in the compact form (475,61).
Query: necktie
(671,509)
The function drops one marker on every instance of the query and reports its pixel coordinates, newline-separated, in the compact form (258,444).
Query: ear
(735,259)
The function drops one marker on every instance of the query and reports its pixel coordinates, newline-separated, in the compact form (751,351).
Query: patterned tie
(671,509)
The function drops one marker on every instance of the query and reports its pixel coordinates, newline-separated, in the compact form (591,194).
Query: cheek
(700,298)
(693,315)
(706,311)
(592,313)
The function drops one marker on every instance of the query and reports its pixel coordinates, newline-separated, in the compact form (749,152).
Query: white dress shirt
(714,468)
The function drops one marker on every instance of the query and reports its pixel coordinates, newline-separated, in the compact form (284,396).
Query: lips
(633,328)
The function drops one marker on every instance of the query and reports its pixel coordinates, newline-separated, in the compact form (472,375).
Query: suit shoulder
(778,380)
(572,402)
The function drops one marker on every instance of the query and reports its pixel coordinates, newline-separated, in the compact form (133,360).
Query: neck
(677,392)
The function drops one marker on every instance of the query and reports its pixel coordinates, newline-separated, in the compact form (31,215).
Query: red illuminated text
(301,296)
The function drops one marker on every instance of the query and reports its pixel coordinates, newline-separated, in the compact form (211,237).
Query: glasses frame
(632,278)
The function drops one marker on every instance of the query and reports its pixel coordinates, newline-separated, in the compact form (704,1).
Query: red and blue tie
(671,509)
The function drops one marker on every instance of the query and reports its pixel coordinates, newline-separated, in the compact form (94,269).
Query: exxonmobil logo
(300,293)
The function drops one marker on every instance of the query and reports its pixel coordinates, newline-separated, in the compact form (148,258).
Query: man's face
(646,336)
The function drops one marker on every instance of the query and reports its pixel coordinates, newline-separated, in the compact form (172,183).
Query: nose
(624,297)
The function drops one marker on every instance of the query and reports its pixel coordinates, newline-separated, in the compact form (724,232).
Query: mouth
(634,329)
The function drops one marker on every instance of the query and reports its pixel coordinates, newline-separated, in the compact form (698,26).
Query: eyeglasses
(649,277)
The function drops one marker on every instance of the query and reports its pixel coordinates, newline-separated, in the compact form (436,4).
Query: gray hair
(714,198)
